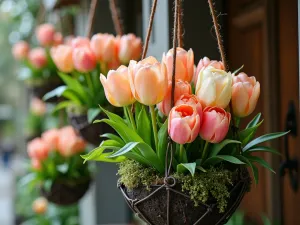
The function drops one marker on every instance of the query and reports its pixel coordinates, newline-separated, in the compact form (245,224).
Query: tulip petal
(254,98)
(207,92)
(240,99)
(180,131)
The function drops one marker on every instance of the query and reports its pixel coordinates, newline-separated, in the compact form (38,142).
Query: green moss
(214,183)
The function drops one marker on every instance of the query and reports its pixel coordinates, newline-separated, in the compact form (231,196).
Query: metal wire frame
(169,187)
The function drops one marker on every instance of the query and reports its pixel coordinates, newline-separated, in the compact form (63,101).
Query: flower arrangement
(55,163)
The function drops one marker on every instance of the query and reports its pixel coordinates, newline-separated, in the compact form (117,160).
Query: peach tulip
(38,107)
(117,87)
(215,124)
(191,100)
(84,59)
(148,80)
(51,137)
(130,48)
(38,58)
(245,94)
(184,64)
(105,47)
(214,87)
(62,56)
(38,149)
(183,124)
(68,40)
(205,62)
(58,39)
(40,205)
(80,42)
(20,50)
(36,164)
(181,88)
(45,34)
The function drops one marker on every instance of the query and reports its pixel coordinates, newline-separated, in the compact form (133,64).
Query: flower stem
(89,82)
(154,125)
(131,117)
(204,153)
(181,152)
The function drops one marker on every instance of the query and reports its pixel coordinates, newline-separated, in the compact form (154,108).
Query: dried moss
(214,183)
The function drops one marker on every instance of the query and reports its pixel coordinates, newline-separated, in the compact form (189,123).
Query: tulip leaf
(111,143)
(238,70)
(62,105)
(114,117)
(137,109)
(263,149)
(183,167)
(57,92)
(144,126)
(251,165)
(63,168)
(104,157)
(162,142)
(219,158)
(48,185)
(92,113)
(254,121)
(93,154)
(260,161)
(216,148)
(264,138)
(113,137)
(201,169)
(248,134)
(73,96)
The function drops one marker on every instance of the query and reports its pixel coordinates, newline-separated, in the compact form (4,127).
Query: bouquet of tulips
(55,160)
(38,65)
(80,62)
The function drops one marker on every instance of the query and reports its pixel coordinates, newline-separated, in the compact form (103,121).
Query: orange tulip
(51,137)
(62,57)
(20,50)
(130,48)
(148,80)
(181,88)
(245,94)
(117,87)
(38,149)
(184,64)
(38,58)
(45,34)
(191,100)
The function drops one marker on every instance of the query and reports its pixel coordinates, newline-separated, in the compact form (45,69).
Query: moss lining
(214,183)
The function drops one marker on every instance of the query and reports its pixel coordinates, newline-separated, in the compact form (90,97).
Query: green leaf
(73,96)
(113,117)
(264,138)
(92,114)
(128,147)
(254,121)
(162,142)
(62,105)
(47,185)
(104,157)
(137,109)
(113,137)
(144,126)
(201,169)
(266,220)
(260,161)
(183,167)
(97,152)
(57,92)
(216,148)
(251,165)
(111,143)
(63,168)
(248,134)
(217,159)
(238,70)
(27,179)
(263,149)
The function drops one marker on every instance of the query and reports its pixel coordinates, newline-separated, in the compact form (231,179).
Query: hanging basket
(90,132)
(167,205)
(67,192)
(39,90)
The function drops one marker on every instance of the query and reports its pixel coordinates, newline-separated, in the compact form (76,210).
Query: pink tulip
(205,62)
(80,42)
(20,50)
(215,124)
(38,149)
(84,59)
(62,56)
(184,64)
(183,124)
(69,142)
(38,107)
(36,164)
(68,40)
(117,87)
(181,88)
(58,39)
(245,94)
(51,137)
(38,58)
(130,48)
(45,34)
(191,100)
(105,47)
(148,80)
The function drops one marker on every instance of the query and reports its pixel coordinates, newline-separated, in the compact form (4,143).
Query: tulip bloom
(205,62)
(40,205)
(191,100)
(38,58)
(183,124)
(68,40)
(45,34)
(105,47)
(58,39)
(215,124)
(36,164)
(79,42)
(214,87)
(38,107)
(117,87)
(245,94)
(130,48)
(20,50)
(62,56)
(148,80)
(184,64)
(84,59)
(38,149)
(51,137)
(181,88)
